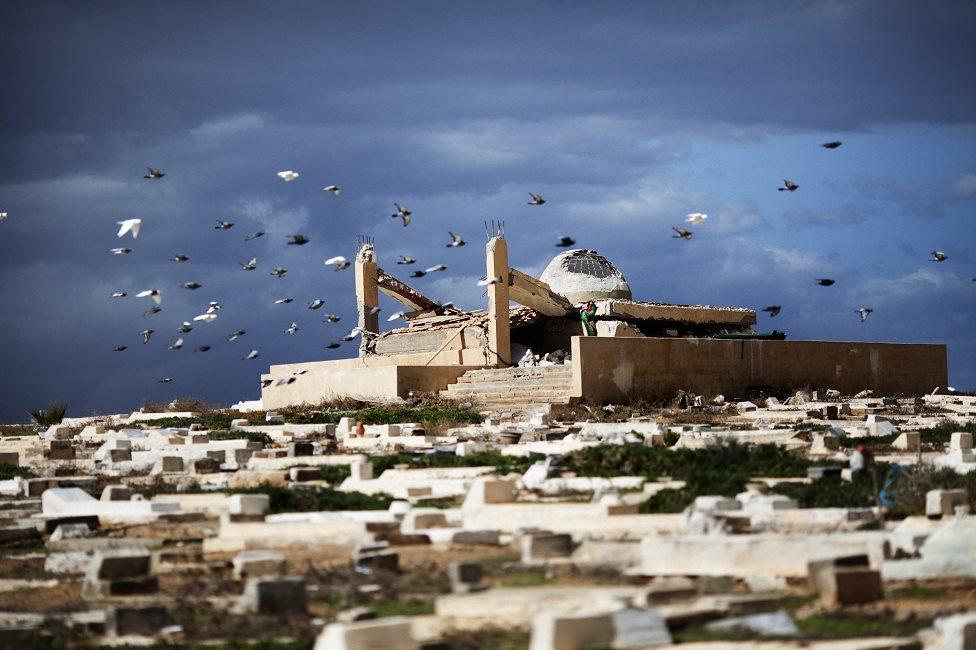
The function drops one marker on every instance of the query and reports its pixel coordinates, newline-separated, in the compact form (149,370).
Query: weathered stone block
(241,456)
(379,561)
(487,491)
(172,463)
(848,586)
(465,576)
(205,466)
(248,504)
(361,471)
(907,441)
(391,633)
(256,564)
(119,455)
(10,458)
(117,493)
(961,440)
(119,563)
(942,503)
(283,597)
(543,546)
(141,620)
(415,520)
(815,567)
(219,455)
(238,423)
(300,449)
(958,632)
(302,474)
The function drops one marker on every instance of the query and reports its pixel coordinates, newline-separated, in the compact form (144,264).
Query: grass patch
(252,436)
(502,463)
(431,415)
(334,474)
(834,625)
(399,608)
(19,430)
(314,499)
(524,578)
(8,471)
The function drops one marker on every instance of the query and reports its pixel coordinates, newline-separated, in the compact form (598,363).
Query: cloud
(846,215)
(924,281)
(795,260)
(227,126)
(965,185)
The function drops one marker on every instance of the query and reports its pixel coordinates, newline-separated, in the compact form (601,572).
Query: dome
(582,275)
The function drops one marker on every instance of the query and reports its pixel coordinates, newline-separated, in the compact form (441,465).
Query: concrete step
(509,401)
(501,387)
(515,374)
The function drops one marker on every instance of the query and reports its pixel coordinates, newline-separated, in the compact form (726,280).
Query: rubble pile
(815,521)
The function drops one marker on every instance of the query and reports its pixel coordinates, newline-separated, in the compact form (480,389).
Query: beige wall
(367,378)
(622,369)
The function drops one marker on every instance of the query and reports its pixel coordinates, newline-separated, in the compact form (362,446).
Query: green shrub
(53,414)
(503,464)
(252,436)
(314,499)
(387,415)
(213,421)
(8,471)
(30,430)
(334,474)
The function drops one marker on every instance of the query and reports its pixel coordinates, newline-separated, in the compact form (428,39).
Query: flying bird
(203,348)
(825,282)
(236,335)
(3,216)
(155,309)
(154,174)
(696,218)
(353,333)
(772,310)
(223,225)
(394,316)
(404,259)
(121,251)
(120,348)
(864,312)
(206,318)
(339,261)
(332,318)
(435,268)
(177,344)
(332,346)
(120,294)
(186,327)
(484,282)
(939,256)
(253,354)
(565,242)
(298,240)
(283,301)
(833,144)
(789,186)
(249,265)
(155,294)
(332,189)
(129,225)
(315,304)
(279,272)
(372,310)
(418,274)
(456,240)
(146,335)
(179,257)
(266,382)
(403,213)
(288,175)
(214,307)
(292,328)
(536,199)
(284,381)
(192,285)
(165,380)
(254,235)
(682,233)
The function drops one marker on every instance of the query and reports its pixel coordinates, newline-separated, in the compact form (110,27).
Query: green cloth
(586,314)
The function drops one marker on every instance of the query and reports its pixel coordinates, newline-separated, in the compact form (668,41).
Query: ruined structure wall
(623,369)
(368,378)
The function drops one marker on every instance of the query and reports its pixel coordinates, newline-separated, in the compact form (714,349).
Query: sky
(626,116)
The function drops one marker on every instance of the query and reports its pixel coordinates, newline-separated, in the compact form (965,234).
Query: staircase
(513,390)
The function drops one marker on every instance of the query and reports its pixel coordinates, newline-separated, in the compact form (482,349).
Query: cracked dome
(582,275)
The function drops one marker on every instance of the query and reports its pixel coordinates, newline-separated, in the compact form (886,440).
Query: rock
(283,597)
(70,531)
(391,633)
(839,587)
(943,503)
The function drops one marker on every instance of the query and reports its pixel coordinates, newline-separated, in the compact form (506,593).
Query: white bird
(864,312)
(292,328)
(130,225)
(288,175)
(120,294)
(180,257)
(486,281)
(315,304)
(165,380)
(3,216)
(279,272)
(939,256)
(339,261)
(186,327)
(236,335)
(696,218)
(121,251)
(253,354)
(353,333)
(223,225)
(146,335)
(403,213)
(394,316)
(435,268)
(404,259)
(283,301)
(177,344)
(372,310)
(332,189)
(456,240)
(249,265)
(155,294)
(332,318)
(206,318)
(213,307)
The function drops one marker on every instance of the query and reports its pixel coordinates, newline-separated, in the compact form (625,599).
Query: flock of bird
(133,228)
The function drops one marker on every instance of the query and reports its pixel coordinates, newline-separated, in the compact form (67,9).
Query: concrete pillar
(367,294)
(499,338)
